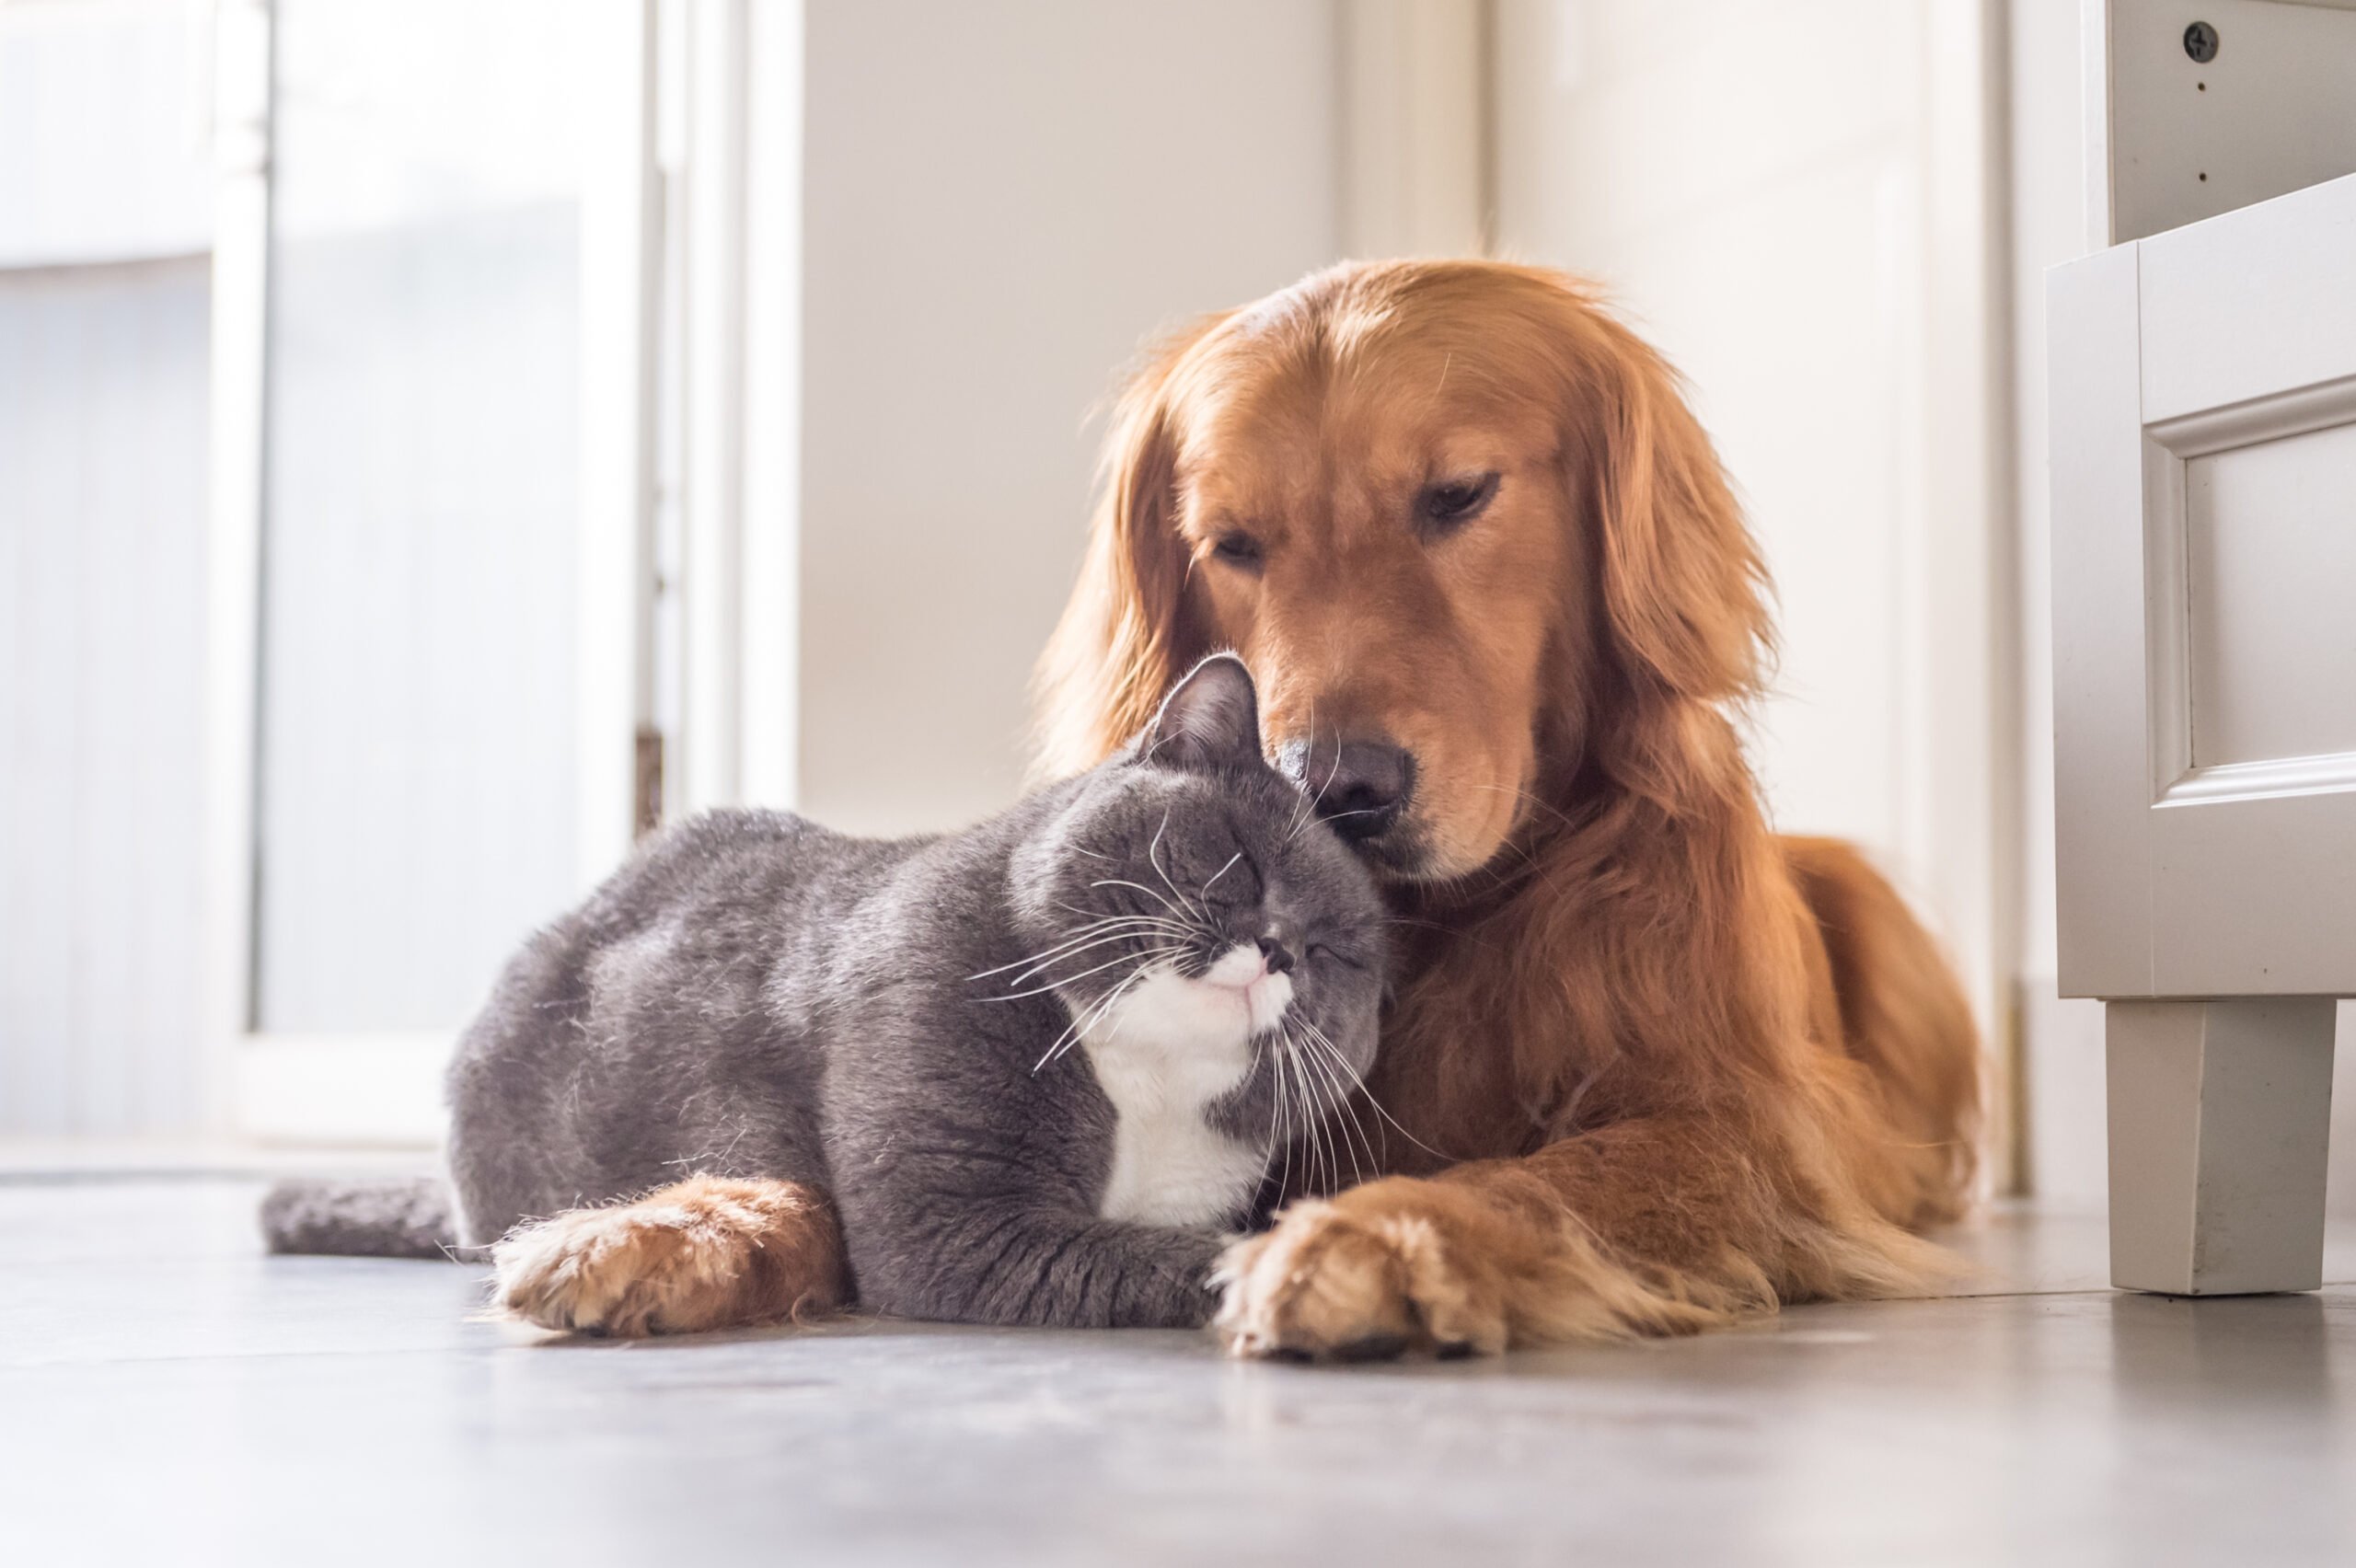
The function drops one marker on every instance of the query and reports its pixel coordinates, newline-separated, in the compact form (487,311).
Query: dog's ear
(1125,632)
(1684,592)
(1210,719)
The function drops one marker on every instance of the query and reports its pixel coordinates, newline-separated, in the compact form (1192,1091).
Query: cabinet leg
(2220,1114)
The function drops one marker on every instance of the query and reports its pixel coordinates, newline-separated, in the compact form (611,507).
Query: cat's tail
(413,1217)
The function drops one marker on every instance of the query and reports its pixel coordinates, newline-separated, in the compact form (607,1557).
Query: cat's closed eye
(1236,885)
(1341,955)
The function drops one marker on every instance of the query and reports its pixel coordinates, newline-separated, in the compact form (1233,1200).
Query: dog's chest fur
(1164,1057)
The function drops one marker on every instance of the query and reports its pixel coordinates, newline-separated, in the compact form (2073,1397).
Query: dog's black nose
(1362,788)
(1275,956)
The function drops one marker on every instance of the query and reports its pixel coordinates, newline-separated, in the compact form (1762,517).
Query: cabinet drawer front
(2204,495)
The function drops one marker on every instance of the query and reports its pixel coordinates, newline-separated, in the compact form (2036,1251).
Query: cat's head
(1188,888)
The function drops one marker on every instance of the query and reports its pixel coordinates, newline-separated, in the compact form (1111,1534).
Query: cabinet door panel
(2270,560)
(2204,475)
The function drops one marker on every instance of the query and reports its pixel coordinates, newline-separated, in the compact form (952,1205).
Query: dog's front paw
(704,1254)
(1368,1278)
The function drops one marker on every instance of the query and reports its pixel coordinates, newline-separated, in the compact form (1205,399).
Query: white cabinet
(2204,518)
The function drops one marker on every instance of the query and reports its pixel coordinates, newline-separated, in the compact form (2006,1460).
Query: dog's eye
(1454,502)
(1238,548)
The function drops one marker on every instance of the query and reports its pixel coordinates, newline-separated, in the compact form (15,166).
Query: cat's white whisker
(1153,859)
(1372,1100)
(1311,1150)
(1231,859)
(1308,757)
(1087,914)
(1107,928)
(1068,979)
(1328,1060)
(1279,1126)
(1313,1066)
(1185,914)
(1283,1072)
(1337,1133)
(1275,1106)
(1324,1169)
(1337,816)
(1078,1024)
(1072,950)
(1102,1006)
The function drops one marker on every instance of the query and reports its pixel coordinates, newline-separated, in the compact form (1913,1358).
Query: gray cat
(1041,1065)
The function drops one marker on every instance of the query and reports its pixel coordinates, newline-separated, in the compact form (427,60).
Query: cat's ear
(1211,719)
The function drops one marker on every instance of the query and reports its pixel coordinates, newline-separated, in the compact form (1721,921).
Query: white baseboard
(2061,1063)
(381,1090)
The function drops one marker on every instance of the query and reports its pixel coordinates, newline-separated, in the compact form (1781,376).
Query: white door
(432,513)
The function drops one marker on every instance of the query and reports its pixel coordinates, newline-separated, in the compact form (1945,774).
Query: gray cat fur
(754,995)
(407,1217)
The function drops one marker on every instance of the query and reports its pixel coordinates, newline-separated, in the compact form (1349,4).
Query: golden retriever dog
(1656,1065)
(1651,1067)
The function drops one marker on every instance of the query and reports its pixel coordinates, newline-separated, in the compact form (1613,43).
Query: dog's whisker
(1552,810)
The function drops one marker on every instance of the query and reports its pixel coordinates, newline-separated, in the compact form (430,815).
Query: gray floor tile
(167,1394)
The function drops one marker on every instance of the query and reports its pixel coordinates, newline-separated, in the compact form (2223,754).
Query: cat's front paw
(703,1254)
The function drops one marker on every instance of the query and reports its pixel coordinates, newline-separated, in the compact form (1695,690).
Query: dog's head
(1460,525)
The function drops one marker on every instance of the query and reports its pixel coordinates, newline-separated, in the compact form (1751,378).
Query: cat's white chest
(1172,1048)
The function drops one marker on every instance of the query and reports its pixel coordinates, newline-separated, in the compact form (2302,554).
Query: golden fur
(1684,1069)
(704,1253)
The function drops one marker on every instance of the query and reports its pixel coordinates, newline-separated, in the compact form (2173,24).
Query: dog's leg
(705,1253)
(1645,1227)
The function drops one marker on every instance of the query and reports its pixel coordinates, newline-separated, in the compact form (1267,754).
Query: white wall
(1763,239)
(103,366)
(1776,197)
(102,468)
(122,86)
(1003,198)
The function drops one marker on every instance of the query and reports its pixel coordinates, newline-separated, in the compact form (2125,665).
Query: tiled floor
(169,1395)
